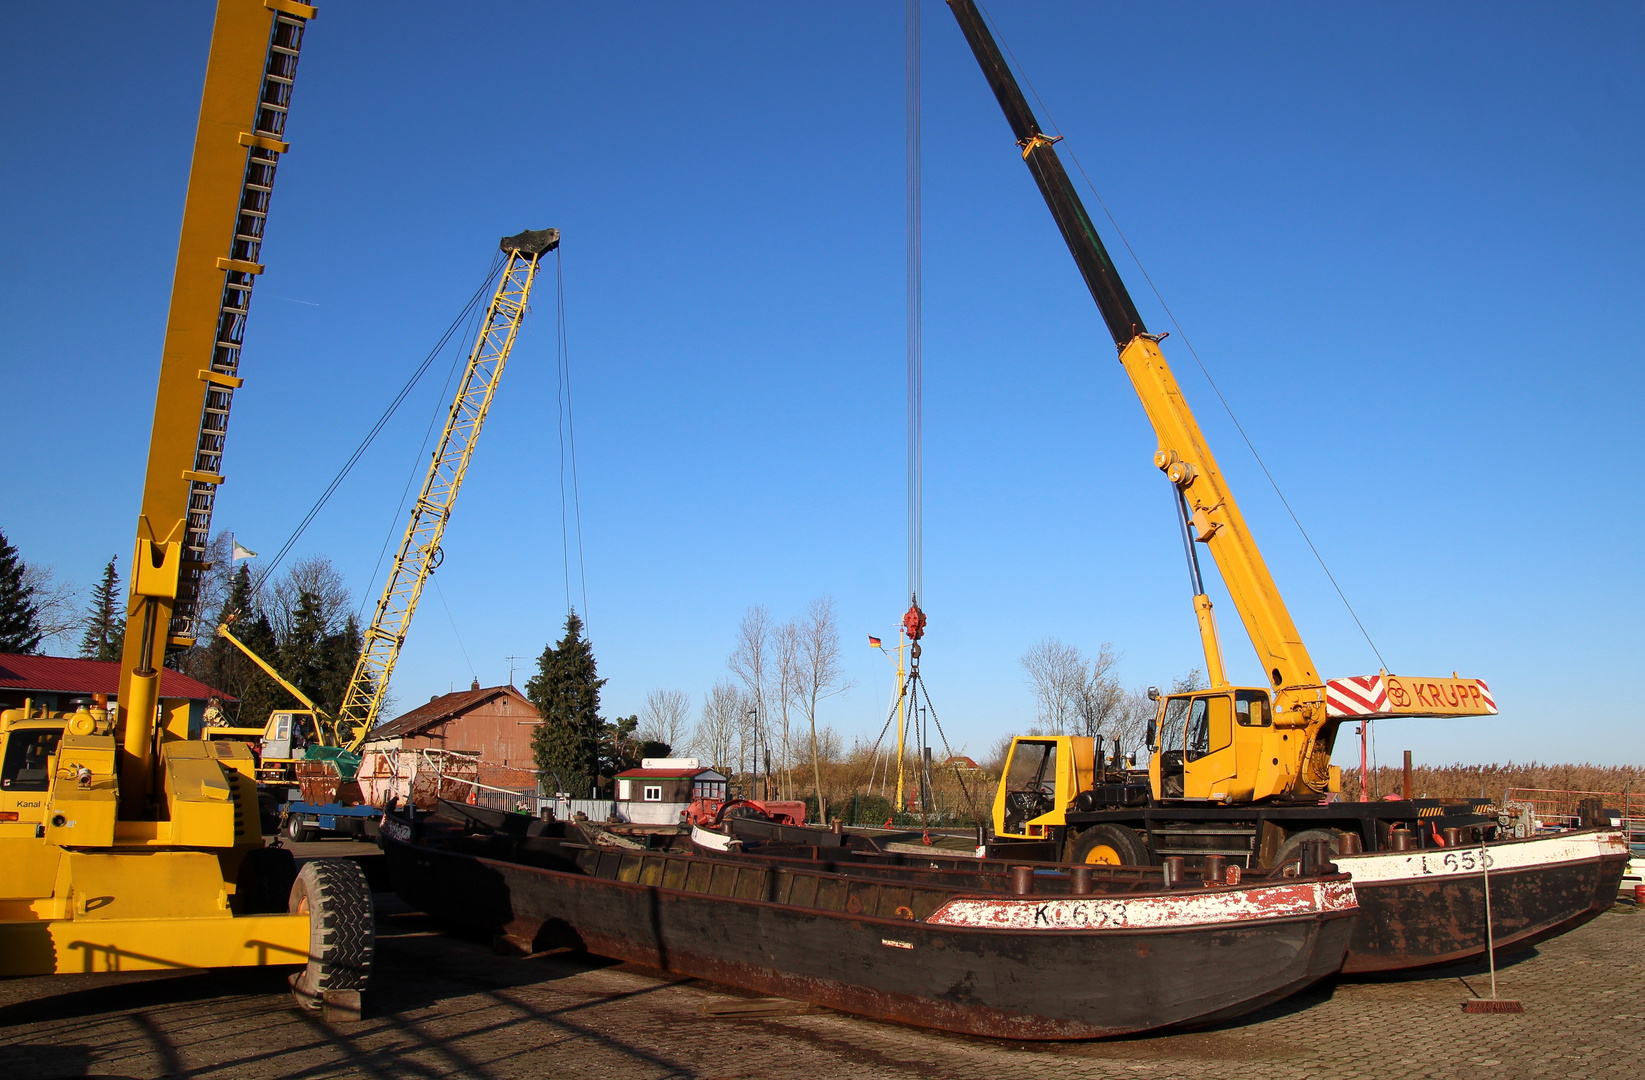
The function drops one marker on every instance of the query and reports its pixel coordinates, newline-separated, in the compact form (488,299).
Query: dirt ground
(442,1004)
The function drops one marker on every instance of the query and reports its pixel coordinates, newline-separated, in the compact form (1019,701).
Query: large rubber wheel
(1288,860)
(299,832)
(333,893)
(1109,845)
(263,886)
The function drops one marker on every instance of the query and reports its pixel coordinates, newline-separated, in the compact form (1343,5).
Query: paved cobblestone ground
(442,1005)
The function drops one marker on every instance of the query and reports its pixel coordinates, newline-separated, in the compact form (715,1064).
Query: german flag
(873,642)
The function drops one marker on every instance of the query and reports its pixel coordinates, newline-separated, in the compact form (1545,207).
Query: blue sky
(1404,238)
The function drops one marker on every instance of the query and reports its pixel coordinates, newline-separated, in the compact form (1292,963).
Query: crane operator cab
(1030,784)
(1209,744)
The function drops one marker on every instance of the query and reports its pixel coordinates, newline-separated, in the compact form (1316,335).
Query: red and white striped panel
(1406,695)
(1485,692)
(1360,695)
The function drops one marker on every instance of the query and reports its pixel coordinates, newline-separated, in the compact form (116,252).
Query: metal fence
(1554,810)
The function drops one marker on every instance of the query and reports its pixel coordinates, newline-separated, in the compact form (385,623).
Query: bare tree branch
(663,719)
(57,607)
(717,734)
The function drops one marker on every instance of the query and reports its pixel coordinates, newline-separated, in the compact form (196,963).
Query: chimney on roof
(476,685)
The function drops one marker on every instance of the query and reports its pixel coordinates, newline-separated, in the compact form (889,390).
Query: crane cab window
(1033,765)
(1209,726)
(1173,730)
(1199,731)
(1251,709)
(27,754)
(1030,783)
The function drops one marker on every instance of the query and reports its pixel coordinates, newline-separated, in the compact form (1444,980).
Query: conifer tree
(226,667)
(566,691)
(105,628)
(20,630)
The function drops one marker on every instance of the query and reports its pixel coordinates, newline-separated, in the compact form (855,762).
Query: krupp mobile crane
(334,761)
(1243,772)
(124,843)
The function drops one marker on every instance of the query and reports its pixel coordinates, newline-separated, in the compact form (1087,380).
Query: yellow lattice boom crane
(419,553)
(126,842)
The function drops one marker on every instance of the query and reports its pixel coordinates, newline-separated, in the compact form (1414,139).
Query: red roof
(441,709)
(663,774)
(68,675)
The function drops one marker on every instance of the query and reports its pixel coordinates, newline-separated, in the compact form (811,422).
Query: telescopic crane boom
(1291,756)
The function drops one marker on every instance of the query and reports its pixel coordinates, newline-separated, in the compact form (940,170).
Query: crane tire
(342,932)
(1291,850)
(1110,845)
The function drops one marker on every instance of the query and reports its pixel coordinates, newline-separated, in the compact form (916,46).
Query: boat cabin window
(1251,709)
(27,751)
(653,793)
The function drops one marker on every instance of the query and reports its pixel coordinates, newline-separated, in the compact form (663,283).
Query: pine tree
(566,691)
(105,628)
(341,651)
(20,630)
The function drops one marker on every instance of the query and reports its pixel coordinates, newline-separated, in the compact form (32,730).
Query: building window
(653,794)
(623,792)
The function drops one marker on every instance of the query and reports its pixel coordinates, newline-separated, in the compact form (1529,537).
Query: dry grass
(1490,781)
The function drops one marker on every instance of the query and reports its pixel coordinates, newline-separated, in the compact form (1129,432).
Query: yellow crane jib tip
(531,242)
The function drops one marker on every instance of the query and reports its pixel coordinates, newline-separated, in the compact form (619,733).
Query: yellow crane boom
(237,149)
(419,551)
(124,847)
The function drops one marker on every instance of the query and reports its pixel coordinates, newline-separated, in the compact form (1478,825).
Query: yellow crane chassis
(70,946)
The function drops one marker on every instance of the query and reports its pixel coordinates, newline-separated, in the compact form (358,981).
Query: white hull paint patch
(1199,907)
(712,840)
(1386,867)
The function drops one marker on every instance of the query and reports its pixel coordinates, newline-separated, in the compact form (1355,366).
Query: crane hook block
(531,242)
(913,623)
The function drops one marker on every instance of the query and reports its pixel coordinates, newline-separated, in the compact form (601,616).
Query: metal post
(1490,936)
(1405,793)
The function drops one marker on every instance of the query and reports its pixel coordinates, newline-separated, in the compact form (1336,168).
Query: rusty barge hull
(1425,908)
(1006,967)
(1418,909)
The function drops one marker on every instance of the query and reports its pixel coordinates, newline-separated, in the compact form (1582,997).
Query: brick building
(495,721)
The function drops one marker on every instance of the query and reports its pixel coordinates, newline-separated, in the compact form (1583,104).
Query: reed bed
(1461,781)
